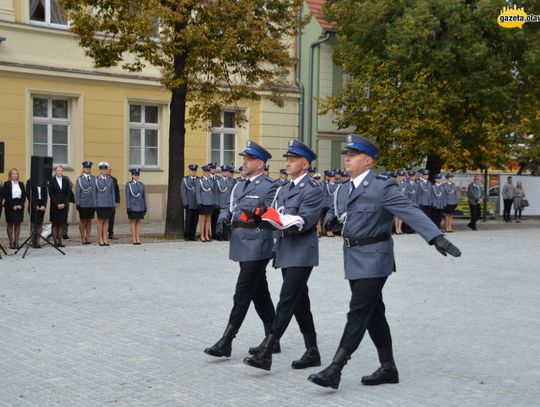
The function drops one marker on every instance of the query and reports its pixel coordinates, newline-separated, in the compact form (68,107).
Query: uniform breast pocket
(360,213)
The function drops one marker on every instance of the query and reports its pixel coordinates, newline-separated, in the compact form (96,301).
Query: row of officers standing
(93,195)
(366,206)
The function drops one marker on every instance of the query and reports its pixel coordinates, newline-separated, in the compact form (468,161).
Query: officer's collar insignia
(365,183)
(301,185)
(257,182)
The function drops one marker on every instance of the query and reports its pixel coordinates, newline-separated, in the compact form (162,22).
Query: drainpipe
(298,77)
(325,36)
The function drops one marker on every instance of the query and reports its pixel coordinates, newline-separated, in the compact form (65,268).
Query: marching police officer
(251,245)
(423,193)
(85,201)
(371,202)
(296,253)
(189,200)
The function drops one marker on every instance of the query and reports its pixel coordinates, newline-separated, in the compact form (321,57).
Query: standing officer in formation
(283,177)
(251,245)
(241,177)
(402,184)
(437,200)
(85,201)
(212,177)
(267,170)
(423,193)
(105,197)
(135,204)
(450,198)
(206,199)
(224,185)
(37,203)
(189,200)
(371,202)
(296,253)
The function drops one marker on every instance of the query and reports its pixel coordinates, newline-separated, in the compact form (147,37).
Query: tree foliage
(211,54)
(437,77)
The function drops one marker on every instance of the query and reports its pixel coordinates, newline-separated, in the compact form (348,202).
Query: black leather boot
(263,359)
(387,373)
(223,347)
(331,376)
(256,349)
(311,357)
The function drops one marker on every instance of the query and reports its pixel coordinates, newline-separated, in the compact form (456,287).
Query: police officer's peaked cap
(135,171)
(205,168)
(298,149)
(362,144)
(267,167)
(225,168)
(437,176)
(408,167)
(193,167)
(103,165)
(424,172)
(331,173)
(449,175)
(255,150)
(283,171)
(87,164)
(401,173)
(312,169)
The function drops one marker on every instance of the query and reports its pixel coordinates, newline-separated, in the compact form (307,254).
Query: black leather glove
(444,246)
(330,223)
(220,226)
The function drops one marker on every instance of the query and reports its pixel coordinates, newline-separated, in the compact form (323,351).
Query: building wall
(44,61)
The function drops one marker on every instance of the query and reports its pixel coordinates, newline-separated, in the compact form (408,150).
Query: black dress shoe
(263,359)
(331,376)
(256,349)
(61,245)
(384,374)
(65,237)
(223,347)
(310,358)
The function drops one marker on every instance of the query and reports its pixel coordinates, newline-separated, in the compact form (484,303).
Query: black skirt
(135,215)
(15,216)
(59,216)
(86,213)
(450,209)
(206,209)
(36,216)
(104,213)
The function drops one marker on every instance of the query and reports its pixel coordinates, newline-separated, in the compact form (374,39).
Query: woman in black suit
(59,194)
(14,198)
(37,202)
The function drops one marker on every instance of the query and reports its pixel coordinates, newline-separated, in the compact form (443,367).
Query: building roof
(316,7)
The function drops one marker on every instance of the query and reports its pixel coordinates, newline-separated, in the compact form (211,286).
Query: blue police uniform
(84,193)
(371,202)
(296,253)
(104,194)
(424,193)
(135,198)
(251,245)
(450,195)
(191,206)
(438,202)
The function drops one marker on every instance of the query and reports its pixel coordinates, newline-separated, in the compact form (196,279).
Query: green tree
(211,53)
(437,78)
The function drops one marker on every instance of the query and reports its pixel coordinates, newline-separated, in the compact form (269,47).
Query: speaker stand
(2,249)
(29,245)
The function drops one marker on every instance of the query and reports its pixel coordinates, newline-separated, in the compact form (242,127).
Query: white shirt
(59,180)
(299,179)
(16,192)
(358,180)
(255,177)
(39,192)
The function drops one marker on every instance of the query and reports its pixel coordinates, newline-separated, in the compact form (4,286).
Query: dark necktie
(351,189)
(246,183)
(292,186)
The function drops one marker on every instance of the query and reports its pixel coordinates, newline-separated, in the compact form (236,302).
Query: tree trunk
(434,165)
(174,220)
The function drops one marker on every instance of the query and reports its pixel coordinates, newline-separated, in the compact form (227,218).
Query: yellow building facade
(54,102)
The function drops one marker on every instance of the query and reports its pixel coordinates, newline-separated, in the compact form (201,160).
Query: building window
(50,123)
(223,139)
(143,135)
(47,12)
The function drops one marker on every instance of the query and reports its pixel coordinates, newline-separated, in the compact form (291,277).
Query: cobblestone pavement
(126,325)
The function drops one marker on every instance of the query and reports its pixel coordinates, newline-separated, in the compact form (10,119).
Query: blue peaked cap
(255,150)
(298,149)
(362,144)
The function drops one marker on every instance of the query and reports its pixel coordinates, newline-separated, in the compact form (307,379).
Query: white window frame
(143,126)
(49,121)
(47,22)
(221,130)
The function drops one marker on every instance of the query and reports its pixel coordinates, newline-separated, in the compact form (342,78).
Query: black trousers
(252,286)
(436,216)
(475,214)
(294,300)
(366,312)
(111,222)
(426,210)
(507,207)
(190,223)
(213,223)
